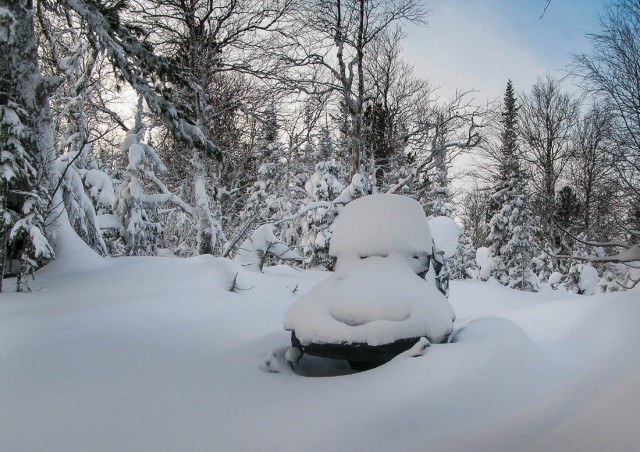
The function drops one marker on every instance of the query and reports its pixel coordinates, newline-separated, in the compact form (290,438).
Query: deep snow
(156,354)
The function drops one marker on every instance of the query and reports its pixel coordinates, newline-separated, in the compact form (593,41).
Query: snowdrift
(158,354)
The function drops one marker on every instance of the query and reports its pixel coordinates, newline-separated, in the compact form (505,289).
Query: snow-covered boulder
(376,301)
(378,224)
(376,295)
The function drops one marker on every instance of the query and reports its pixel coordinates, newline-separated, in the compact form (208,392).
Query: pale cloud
(480,44)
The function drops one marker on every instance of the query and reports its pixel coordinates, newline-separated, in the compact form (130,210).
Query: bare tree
(548,116)
(591,171)
(207,39)
(473,212)
(327,48)
(612,72)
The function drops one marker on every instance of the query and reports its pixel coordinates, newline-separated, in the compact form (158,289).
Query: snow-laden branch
(629,254)
(136,63)
(177,200)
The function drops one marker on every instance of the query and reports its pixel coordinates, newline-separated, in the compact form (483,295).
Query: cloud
(479,45)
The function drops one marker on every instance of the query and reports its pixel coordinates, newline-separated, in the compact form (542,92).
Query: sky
(480,44)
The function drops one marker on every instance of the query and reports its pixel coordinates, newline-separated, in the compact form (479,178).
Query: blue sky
(479,44)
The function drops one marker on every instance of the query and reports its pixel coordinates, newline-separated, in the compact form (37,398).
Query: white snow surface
(155,354)
(375,224)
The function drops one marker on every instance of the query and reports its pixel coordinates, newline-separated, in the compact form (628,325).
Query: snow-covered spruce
(323,186)
(135,208)
(513,226)
(78,204)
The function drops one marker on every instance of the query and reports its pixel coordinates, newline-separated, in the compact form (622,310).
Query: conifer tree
(513,226)
(323,187)
(263,203)
(463,263)
(23,224)
(136,209)
(25,141)
(502,186)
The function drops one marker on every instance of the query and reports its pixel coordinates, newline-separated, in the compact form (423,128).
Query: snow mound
(72,254)
(482,256)
(375,224)
(445,235)
(491,329)
(588,279)
(377,302)
(375,296)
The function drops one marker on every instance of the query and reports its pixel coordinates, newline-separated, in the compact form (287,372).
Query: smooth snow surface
(155,354)
(375,224)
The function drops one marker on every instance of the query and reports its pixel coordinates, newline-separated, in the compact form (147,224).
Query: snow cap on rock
(376,224)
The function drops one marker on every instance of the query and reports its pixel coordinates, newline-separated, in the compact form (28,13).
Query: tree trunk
(356,149)
(207,236)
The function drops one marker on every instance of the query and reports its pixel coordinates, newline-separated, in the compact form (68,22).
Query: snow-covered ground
(156,354)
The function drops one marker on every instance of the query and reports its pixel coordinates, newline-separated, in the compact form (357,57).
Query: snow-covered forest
(279,113)
(163,160)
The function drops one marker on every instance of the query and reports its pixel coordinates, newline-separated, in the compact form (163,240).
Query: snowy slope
(156,354)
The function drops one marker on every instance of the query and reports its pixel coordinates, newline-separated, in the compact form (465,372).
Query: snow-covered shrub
(35,246)
(555,280)
(179,231)
(582,279)
(136,209)
(618,277)
(262,204)
(463,263)
(78,204)
(255,250)
(484,263)
(444,232)
(322,187)
(101,189)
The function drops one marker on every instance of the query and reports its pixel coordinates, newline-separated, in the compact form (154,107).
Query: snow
(375,295)
(588,279)
(377,301)
(444,232)
(555,279)
(148,353)
(109,221)
(262,242)
(7,24)
(100,186)
(375,224)
(482,256)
